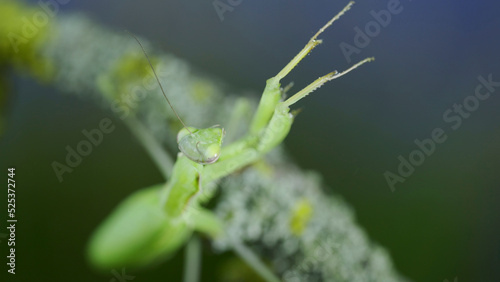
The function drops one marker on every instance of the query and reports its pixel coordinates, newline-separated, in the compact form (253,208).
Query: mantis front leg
(272,94)
(272,120)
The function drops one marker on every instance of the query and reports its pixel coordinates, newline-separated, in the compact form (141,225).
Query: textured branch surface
(281,212)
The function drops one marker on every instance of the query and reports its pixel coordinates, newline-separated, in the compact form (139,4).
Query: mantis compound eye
(201,145)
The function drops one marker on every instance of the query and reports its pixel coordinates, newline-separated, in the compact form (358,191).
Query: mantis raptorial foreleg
(272,120)
(271,95)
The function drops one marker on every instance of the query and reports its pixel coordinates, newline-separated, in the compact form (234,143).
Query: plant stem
(192,261)
(253,261)
(162,159)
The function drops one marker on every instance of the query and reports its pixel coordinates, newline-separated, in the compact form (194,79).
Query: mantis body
(154,222)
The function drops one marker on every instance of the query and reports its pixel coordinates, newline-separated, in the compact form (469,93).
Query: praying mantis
(155,222)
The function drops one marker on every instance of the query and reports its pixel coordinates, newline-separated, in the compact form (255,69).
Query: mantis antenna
(202,146)
(159,83)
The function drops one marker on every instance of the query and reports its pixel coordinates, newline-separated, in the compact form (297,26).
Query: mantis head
(201,145)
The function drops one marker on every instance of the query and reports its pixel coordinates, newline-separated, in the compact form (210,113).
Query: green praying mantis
(154,222)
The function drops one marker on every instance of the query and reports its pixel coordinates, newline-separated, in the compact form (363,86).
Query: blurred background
(442,222)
